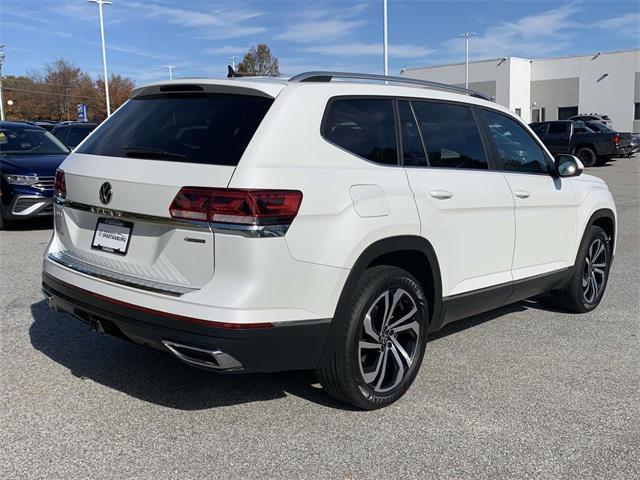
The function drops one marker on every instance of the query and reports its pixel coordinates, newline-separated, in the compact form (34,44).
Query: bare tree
(259,61)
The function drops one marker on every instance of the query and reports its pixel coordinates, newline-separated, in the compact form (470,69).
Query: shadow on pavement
(158,378)
(37,223)
(155,376)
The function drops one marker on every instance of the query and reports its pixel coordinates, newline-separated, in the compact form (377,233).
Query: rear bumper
(284,346)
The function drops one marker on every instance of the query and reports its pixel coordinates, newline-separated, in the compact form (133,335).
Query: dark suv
(29,157)
(72,133)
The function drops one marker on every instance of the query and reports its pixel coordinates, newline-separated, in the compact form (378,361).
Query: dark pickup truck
(592,144)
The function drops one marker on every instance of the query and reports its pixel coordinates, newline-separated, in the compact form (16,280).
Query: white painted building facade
(554,88)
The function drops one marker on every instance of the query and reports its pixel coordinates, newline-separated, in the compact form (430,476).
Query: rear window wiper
(150,152)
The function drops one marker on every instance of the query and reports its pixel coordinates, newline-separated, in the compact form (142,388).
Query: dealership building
(554,88)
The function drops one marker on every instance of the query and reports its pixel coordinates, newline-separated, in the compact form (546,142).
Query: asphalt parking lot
(521,392)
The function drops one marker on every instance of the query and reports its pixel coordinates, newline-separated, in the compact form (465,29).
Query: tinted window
(365,127)
(539,128)
(77,134)
(20,140)
(517,149)
(599,127)
(451,135)
(60,133)
(558,128)
(413,153)
(197,128)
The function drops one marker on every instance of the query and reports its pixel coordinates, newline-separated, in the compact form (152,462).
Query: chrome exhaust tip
(211,358)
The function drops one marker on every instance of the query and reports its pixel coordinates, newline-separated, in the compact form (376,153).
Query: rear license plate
(112,236)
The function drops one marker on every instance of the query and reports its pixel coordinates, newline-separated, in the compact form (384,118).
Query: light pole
(170,67)
(1,99)
(385,49)
(104,52)
(467,36)
(233,61)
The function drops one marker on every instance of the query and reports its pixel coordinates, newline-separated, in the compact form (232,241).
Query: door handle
(441,194)
(522,194)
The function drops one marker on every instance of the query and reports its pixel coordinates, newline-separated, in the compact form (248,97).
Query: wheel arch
(606,219)
(409,252)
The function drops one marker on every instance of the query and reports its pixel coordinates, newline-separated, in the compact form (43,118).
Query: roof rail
(321,76)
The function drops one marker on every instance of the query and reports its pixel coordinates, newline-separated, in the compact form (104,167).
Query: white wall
(488,70)
(520,87)
(613,95)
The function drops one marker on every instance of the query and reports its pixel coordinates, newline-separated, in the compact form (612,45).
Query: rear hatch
(114,220)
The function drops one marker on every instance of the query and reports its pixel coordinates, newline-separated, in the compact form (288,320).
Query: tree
(259,61)
(54,92)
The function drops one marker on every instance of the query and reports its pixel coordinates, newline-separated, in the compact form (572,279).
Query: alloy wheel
(595,270)
(389,342)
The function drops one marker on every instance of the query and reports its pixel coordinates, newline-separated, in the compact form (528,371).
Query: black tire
(587,156)
(371,373)
(4,223)
(588,281)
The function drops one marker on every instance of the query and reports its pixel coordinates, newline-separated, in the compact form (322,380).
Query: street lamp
(1,100)
(170,67)
(385,49)
(467,36)
(104,51)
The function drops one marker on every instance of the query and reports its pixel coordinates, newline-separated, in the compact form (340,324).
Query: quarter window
(413,154)
(451,135)
(365,127)
(518,151)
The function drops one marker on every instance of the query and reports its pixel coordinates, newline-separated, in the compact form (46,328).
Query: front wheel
(379,340)
(588,281)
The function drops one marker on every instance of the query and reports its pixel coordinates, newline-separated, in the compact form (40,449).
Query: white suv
(256,225)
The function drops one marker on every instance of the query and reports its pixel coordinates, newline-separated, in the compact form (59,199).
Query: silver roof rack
(321,76)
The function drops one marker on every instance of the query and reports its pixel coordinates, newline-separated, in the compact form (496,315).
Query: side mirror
(568,165)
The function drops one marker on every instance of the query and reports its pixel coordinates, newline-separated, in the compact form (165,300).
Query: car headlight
(21,179)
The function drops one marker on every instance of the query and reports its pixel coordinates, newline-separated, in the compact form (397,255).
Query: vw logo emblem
(105,193)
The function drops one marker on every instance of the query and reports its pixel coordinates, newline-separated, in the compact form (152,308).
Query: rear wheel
(380,340)
(587,156)
(588,281)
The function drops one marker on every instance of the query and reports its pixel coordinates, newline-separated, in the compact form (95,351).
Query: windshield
(599,127)
(29,140)
(204,128)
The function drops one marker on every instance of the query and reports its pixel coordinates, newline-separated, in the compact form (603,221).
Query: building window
(519,112)
(636,111)
(565,113)
(537,114)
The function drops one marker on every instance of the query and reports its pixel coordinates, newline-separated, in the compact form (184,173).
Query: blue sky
(199,36)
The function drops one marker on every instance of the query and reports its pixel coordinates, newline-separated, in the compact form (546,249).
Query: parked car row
(68,132)
(592,141)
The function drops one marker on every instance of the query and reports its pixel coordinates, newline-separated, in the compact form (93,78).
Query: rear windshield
(203,128)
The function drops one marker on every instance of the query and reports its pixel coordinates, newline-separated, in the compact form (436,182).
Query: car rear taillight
(616,139)
(60,186)
(236,206)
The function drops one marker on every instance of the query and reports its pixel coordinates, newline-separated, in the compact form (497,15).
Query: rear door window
(451,135)
(558,128)
(205,128)
(365,127)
